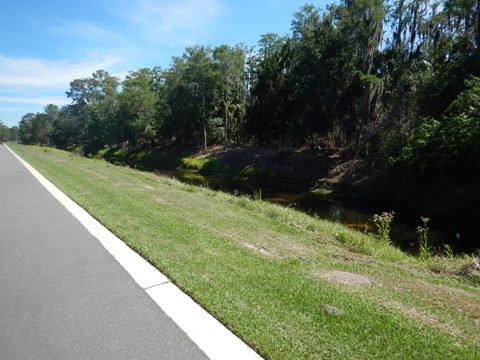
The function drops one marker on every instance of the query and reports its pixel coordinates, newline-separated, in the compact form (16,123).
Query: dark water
(460,237)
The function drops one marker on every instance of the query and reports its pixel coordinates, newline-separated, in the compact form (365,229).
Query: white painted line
(215,339)
(212,337)
(139,269)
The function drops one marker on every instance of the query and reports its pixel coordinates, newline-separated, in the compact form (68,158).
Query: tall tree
(191,86)
(231,88)
(96,101)
(5,132)
(138,115)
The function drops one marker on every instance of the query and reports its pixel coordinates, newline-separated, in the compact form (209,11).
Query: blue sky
(46,44)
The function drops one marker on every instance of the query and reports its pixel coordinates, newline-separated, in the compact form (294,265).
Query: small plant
(425,250)
(383,223)
(447,251)
(257,195)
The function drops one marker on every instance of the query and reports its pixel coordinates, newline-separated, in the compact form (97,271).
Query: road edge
(211,336)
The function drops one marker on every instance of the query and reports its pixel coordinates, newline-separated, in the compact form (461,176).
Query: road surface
(62,295)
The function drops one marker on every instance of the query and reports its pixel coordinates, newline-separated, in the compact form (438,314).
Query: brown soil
(293,168)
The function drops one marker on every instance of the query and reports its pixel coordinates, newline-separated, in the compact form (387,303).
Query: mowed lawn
(292,286)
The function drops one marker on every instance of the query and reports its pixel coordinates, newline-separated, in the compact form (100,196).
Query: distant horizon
(54,42)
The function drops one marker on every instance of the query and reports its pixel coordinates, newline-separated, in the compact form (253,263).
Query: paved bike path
(62,295)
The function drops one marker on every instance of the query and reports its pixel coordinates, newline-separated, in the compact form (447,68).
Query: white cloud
(28,72)
(31,83)
(85,30)
(41,100)
(13,109)
(173,21)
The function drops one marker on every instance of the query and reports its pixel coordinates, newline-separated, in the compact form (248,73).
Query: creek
(460,237)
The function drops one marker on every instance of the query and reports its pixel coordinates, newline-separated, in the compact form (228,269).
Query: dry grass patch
(413,313)
(345,278)
(258,250)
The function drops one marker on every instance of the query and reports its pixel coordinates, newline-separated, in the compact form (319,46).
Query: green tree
(230,89)
(266,111)
(96,101)
(35,129)
(68,128)
(191,95)
(5,132)
(138,118)
(25,132)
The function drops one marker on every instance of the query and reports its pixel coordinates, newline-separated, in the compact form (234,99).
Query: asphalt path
(62,295)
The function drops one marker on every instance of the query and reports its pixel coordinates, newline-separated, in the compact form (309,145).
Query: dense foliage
(396,79)
(8,134)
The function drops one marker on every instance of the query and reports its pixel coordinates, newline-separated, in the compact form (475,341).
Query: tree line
(397,80)
(8,134)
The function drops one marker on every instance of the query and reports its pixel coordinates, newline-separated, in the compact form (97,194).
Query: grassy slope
(258,267)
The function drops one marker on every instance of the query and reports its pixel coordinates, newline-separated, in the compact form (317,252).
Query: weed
(448,251)
(425,250)
(257,195)
(383,223)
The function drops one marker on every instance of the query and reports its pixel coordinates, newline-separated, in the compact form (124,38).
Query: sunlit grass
(261,268)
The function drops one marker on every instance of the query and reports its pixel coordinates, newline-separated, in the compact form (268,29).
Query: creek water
(460,237)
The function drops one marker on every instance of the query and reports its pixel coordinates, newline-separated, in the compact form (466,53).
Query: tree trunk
(398,33)
(413,28)
(477,26)
(205,136)
(225,128)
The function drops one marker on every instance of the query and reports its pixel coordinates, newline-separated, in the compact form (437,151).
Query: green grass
(208,166)
(203,165)
(194,163)
(155,160)
(139,158)
(261,268)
